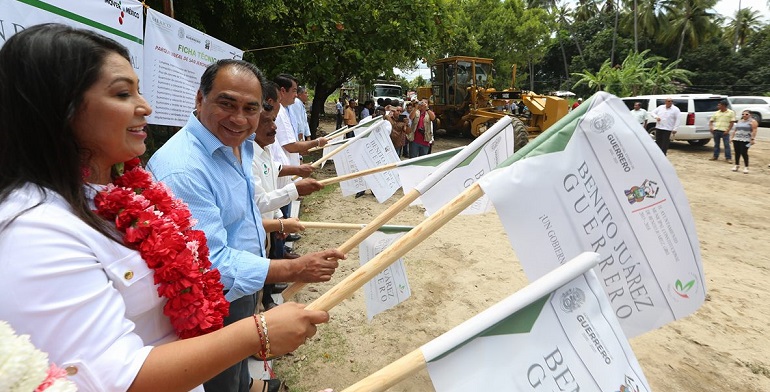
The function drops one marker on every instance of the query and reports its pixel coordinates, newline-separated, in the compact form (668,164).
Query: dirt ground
(468,265)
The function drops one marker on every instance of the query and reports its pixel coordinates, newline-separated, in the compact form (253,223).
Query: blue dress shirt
(219,189)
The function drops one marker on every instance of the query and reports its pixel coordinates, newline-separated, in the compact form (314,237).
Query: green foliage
(637,75)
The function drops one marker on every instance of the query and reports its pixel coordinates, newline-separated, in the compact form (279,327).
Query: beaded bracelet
(267,338)
(264,351)
(281,223)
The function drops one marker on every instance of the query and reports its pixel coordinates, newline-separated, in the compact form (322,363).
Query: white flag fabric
(390,287)
(601,184)
(345,162)
(412,171)
(557,334)
(375,150)
(493,147)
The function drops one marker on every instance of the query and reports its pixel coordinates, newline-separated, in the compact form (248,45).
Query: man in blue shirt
(208,165)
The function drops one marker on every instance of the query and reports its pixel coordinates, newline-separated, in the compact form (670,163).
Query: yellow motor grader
(465,103)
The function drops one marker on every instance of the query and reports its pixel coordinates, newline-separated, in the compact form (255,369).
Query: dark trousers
(276,252)
(662,139)
(741,149)
(724,137)
(235,378)
(339,121)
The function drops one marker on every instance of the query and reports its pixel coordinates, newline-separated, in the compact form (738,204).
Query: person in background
(667,117)
(422,129)
(208,163)
(368,109)
(298,114)
(721,124)
(744,133)
(62,142)
(577,103)
(350,117)
(640,115)
(339,111)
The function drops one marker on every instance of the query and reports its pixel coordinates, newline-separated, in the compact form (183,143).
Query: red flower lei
(158,225)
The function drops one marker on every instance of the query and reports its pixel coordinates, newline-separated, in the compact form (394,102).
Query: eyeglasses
(268,107)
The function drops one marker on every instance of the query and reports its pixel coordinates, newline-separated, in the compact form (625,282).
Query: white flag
(373,150)
(600,183)
(481,157)
(390,287)
(557,334)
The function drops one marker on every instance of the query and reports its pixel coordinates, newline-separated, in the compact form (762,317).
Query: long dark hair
(44,72)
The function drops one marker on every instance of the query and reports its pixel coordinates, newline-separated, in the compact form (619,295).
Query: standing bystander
(743,137)
(667,117)
(721,124)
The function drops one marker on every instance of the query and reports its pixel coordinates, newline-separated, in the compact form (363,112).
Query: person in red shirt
(422,129)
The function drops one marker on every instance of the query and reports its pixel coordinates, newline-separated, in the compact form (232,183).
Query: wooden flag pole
(348,226)
(392,374)
(407,242)
(361,173)
(326,157)
(328,138)
(361,235)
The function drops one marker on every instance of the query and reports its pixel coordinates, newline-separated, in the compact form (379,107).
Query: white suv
(696,110)
(759,107)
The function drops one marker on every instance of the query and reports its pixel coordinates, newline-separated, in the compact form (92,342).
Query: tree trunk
(636,27)
(681,41)
(322,92)
(564,58)
(614,37)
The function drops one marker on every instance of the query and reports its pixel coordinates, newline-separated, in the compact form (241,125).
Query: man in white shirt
(640,115)
(298,114)
(267,195)
(667,117)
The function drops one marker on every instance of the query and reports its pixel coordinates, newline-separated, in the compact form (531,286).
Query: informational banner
(390,287)
(176,56)
(601,184)
(550,336)
(119,20)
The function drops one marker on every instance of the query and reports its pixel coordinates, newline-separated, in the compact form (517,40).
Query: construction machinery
(465,103)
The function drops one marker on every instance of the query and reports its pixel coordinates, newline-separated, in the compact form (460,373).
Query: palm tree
(691,18)
(651,17)
(746,22)
(585,10)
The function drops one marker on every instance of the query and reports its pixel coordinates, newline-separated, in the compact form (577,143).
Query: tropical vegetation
(625,47)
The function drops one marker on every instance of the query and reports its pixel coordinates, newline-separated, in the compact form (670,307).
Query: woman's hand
(289,325)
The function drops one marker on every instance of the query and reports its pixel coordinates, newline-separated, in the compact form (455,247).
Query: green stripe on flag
(393,229)
(519,322)
(77,18)
(434,159)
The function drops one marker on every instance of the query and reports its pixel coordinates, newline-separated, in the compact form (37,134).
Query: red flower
(158,225)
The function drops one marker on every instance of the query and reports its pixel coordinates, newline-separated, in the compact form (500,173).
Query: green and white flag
(596,181)
(451,174)
(413,170)
(374,150)
(557,334)
(345,162)
(390,287)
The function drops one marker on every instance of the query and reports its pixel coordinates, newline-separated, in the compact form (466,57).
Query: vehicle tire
(699,142)
(756,116)
(520,134)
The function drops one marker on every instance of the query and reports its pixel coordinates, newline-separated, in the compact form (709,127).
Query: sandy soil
(468,265)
